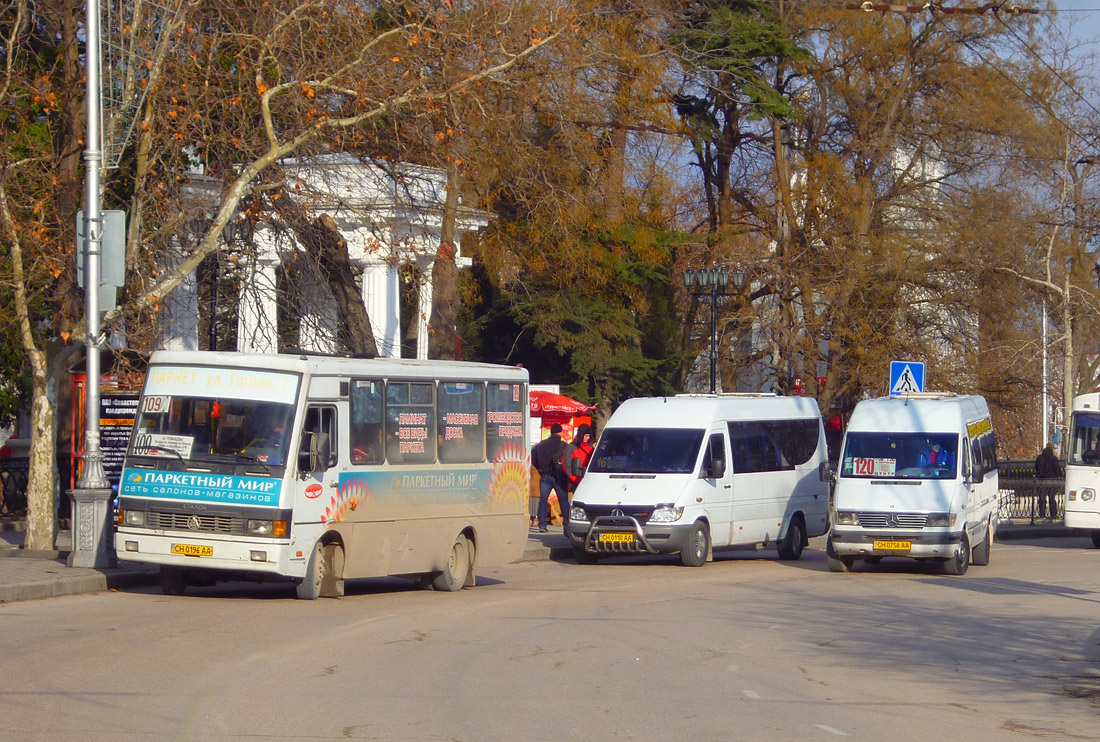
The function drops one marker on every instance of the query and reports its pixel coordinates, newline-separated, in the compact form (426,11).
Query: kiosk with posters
(549,406)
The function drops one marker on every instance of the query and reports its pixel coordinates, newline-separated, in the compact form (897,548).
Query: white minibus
(917,479)
(316,468)
(1082,508)
(689,473)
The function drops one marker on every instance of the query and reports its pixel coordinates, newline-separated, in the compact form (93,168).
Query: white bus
(918,479)
(688,474)
(1082,509)
(317,468)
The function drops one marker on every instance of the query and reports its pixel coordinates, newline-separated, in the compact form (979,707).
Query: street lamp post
(712,283)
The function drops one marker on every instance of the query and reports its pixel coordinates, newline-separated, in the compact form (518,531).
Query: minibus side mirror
(825,471)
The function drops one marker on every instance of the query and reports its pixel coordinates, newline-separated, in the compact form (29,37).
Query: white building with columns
(389,218)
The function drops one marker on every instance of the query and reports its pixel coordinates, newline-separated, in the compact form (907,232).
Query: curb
(93,582)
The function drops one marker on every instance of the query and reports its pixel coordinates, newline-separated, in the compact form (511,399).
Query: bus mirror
(825,471)
(305,453)
(318,452)
(715,467)
(977,474)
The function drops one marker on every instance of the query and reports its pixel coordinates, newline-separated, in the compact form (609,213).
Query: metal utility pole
(1044,404)
(92,495)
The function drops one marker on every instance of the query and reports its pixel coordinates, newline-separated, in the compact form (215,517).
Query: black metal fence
(13,478)
(1024,497)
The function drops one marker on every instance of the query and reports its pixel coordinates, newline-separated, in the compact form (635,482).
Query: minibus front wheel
(958,564)
(695,553)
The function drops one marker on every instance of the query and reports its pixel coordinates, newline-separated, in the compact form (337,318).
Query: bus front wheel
(173,581)
(453,576)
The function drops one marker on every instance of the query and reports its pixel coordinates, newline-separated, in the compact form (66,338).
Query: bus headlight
(275,528)
(940,520)
(134,517)
(578,514)
(1087,494)
(665,514)
(846,518)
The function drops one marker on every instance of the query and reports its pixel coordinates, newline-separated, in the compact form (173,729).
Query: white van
(918,479)
(687,473)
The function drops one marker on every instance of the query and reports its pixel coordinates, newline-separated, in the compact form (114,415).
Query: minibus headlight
(1087,494)
(940,520)
(666,514)
(578,514)
(134,517)
(846,518)
(261,527)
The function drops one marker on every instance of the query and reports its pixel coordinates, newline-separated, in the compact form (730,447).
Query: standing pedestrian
(547,457)
(1047,467)
(574,462)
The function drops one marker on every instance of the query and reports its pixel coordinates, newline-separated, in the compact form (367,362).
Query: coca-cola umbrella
(549,404)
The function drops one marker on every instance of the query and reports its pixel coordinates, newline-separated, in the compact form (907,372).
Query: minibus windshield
(900,455)
(209,428)
(646,451)
(1084,445)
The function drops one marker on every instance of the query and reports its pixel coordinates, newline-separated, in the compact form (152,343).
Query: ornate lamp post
(713,282)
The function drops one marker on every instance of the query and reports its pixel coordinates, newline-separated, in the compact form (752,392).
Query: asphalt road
(746,648)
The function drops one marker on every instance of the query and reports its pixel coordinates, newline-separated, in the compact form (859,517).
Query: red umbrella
(549,403)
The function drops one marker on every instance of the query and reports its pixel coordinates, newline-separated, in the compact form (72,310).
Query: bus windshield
(647,451)
(212,428)
(1084,440)
(900,455)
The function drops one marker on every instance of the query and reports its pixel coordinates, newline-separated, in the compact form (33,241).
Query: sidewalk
(28,575)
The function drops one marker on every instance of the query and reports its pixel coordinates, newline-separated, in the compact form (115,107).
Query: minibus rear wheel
(980,557)
(791,546)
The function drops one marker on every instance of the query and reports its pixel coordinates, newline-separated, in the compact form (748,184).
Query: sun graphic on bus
(509,479)
(353,494)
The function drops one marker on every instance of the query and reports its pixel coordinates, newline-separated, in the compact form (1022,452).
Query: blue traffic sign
(906,377)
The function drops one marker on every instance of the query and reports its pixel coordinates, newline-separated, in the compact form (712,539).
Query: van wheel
(172,581)
(583,556)
(1096,539)
(310,586)
(958,564)
(453,576)
(791,545)
(695,553)
(836,562)
(980,557)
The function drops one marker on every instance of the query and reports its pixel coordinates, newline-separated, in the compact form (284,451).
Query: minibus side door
(714,488)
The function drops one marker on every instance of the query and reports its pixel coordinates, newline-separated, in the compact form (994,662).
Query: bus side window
(366,422)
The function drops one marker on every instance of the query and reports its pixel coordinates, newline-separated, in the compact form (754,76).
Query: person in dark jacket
(1047,467)
(546,457)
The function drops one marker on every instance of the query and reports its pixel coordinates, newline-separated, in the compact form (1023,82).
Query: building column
(257,327)
(178,319)
(382,297)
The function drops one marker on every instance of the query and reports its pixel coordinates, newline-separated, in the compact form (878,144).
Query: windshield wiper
(247,457)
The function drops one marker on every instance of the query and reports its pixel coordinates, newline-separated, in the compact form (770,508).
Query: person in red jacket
(576,457)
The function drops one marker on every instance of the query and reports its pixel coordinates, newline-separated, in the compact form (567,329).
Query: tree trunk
(442,332)
(323,241)
(41,488)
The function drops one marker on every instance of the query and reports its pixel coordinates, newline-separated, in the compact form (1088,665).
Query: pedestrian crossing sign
(906,377)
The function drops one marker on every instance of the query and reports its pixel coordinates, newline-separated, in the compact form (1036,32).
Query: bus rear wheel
(453,576)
